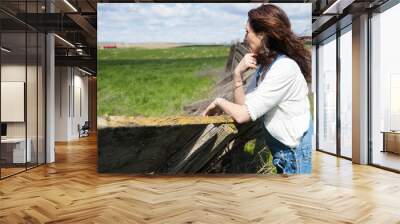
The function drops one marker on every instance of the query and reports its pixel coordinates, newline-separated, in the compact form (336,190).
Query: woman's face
(252,40)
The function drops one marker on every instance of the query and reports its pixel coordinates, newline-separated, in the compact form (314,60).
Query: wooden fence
(186,144)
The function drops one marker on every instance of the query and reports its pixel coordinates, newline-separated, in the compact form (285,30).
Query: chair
(84,130)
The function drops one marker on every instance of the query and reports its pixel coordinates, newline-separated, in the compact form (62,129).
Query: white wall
(14,72)
(70,83)
(80,100)
(33,126)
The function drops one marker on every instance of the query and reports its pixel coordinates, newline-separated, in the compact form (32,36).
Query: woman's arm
(238,112)
(248,61)
(238,90)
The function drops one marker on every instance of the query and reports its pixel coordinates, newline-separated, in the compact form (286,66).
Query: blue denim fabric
(292,160)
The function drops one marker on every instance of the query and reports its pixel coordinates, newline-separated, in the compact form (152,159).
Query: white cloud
(185,22)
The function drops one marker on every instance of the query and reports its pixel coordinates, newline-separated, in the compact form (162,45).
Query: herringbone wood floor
(71,191)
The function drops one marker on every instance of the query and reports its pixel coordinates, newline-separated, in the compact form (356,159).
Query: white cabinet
(18,149)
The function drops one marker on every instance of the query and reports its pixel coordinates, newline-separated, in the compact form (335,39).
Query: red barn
(109,46)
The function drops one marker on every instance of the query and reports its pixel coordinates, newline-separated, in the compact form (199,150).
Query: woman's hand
(212,109)
(248,61)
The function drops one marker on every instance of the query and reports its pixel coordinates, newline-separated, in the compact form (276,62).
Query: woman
(278,92)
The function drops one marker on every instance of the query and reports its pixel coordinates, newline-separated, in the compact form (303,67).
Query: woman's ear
(265,48)
(261,36)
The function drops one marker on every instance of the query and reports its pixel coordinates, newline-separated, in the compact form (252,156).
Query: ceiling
(76,22)
(330,15)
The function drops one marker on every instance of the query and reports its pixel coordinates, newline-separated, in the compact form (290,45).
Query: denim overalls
(289,160)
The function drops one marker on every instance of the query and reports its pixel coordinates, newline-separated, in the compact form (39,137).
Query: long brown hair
(273,22)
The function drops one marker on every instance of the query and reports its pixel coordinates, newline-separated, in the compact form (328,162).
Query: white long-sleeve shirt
(282,96)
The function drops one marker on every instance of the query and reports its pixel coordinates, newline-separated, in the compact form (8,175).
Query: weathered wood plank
(241,49)
(168,146)
(212,141)
(141,149)
(149,145)
(131,121)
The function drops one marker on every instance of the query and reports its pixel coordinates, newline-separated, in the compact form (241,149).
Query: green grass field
(156,82)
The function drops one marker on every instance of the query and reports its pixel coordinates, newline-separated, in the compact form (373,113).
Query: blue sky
(212,23)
